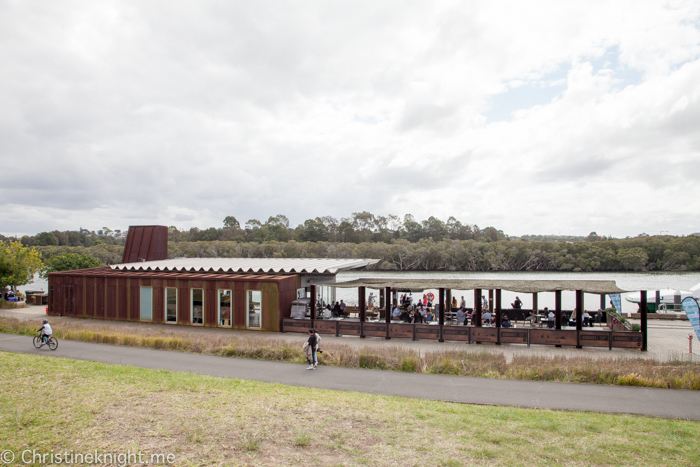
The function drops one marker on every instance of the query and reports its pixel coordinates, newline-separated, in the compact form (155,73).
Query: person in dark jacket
(310,348)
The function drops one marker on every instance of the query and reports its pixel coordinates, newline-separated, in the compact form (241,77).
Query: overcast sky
(533,117)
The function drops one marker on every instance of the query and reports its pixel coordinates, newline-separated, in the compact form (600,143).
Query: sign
(690,306)
(616,300)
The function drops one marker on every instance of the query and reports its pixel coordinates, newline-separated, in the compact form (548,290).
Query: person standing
(310,348)
(462,302)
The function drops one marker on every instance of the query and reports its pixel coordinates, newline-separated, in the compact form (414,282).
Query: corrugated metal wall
(104,294)
(146,242)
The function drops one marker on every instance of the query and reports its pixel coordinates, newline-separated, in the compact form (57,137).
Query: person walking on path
(310,348)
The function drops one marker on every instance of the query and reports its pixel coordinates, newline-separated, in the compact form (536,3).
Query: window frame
(192,323)
(247,309)
(218,308)
(177,304)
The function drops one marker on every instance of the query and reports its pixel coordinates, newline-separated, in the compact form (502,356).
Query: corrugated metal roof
(521,286)
(250,265)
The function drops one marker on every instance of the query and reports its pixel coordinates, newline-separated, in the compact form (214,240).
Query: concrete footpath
(665,403)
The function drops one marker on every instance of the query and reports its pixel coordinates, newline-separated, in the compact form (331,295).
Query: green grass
(581,369)
(59,404)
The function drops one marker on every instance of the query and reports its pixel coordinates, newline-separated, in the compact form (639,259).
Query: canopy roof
(249,265)
(522,286)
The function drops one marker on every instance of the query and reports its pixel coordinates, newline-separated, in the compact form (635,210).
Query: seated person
(532,317)
(572,318)
(417,317)
(428,317)
(505,322)
(486,318)
(599,316)
(517,304)
(337,311)
(405,316)
(396,314)
(586,319)
(460,316)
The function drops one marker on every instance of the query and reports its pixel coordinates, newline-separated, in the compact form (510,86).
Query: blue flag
(690,306)
(616,300)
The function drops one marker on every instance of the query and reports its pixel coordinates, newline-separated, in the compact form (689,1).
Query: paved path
(665,403)
(668,340)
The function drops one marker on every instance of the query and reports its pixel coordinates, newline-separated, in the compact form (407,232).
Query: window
(197,306)
(146,303)
(225,308)
(171,305)
(254,316)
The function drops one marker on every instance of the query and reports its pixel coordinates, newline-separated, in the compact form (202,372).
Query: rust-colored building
(238,293)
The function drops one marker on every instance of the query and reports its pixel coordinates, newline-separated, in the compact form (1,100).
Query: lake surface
(631,281)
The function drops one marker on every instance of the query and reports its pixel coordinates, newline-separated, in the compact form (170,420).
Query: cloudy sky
(534,117)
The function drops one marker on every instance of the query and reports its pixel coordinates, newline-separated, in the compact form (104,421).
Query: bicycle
(51,341)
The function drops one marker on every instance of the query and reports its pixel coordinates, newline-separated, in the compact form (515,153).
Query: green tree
(69,262)
(18,264)
(231,222)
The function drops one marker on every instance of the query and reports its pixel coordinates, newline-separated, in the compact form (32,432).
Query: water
(37,284)
(625,280)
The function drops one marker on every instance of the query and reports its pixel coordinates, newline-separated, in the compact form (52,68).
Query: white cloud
(116,113)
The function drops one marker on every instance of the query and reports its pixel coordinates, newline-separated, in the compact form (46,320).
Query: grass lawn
(59,404)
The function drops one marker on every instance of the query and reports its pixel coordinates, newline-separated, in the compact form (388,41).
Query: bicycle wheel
(37,342)
(53,343)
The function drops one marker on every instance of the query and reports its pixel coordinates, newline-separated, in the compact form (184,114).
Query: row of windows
(253,305)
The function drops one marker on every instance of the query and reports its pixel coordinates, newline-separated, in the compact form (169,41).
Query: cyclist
(46,331)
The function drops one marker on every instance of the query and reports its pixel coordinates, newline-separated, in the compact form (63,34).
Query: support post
(441,318)
(312,303)
(657,300)
(491,307)
(535,304)
(499,315)
(643,320)
(477,307)
(557,310)
(381,298)
(448,299)
(387,316)
(579,314)
(499,311)
(602,301)
(363,309)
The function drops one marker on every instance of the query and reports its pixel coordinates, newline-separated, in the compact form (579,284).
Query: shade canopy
(521,286)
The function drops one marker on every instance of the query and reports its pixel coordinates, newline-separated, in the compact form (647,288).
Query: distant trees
(69,262)
(82,237)
(401,243)
(359,228)
(636,254)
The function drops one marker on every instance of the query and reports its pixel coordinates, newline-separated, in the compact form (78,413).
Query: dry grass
(206,421)
(11,305)
(626,371)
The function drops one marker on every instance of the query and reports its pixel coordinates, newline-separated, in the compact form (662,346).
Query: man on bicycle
(45,331)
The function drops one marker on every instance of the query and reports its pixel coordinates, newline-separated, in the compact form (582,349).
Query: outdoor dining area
(395,313)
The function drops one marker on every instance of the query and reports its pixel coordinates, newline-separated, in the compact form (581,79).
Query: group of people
(337,310)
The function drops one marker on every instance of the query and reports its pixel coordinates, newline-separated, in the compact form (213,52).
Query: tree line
(361,227)
(643,253)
